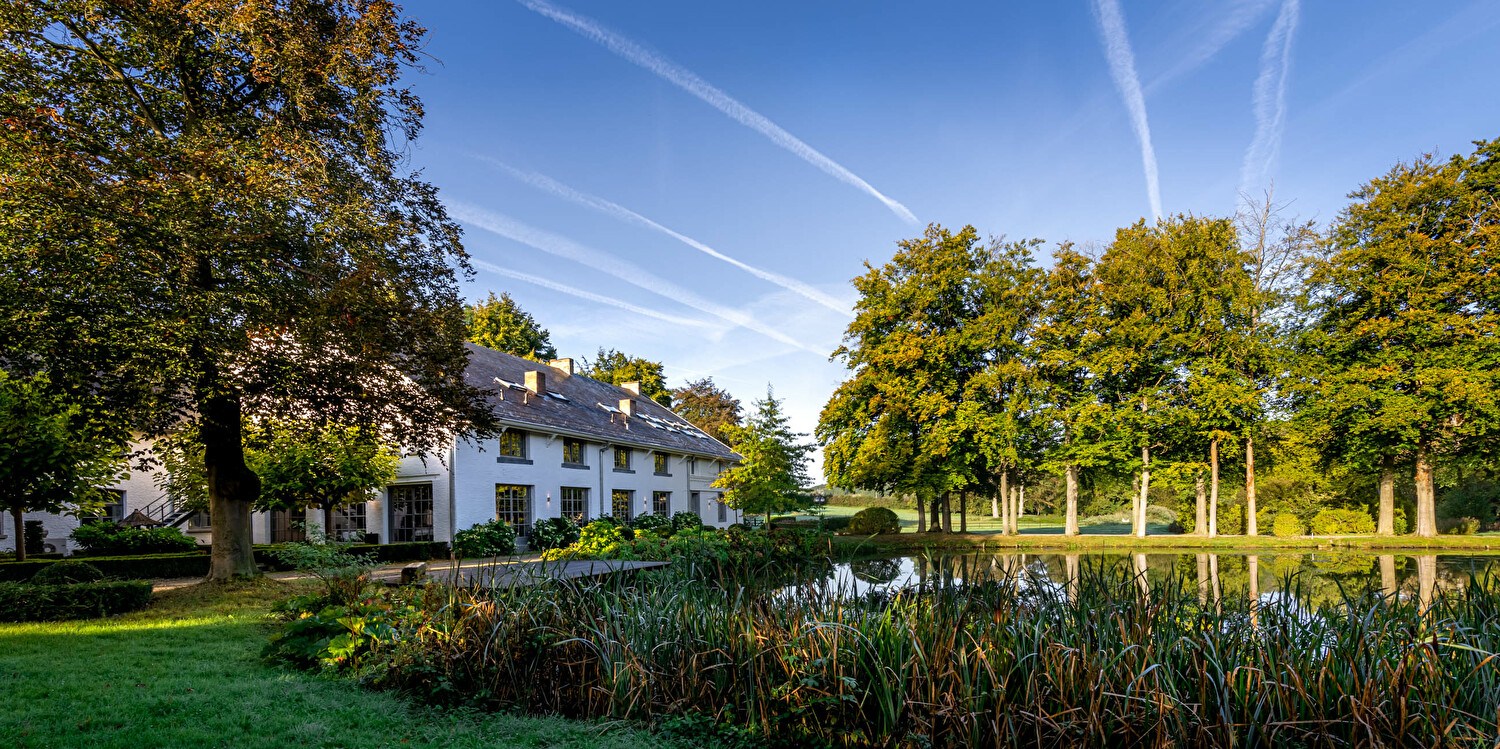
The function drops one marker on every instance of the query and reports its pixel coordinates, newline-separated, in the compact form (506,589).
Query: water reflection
(1320,577)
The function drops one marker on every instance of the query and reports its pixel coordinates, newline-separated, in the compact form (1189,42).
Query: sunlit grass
(187,673)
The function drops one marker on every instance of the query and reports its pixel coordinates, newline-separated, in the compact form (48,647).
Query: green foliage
(66,572)
(495,538)
(499,323)
(707,406)
(110,539)
(873,520)
(1458,526)
(327,465)
(122,568)
(30,602)
(771,475)
(1342,522)
(1472,499)
(552,533)
(650,521)
(682,521)
(344,574)
(618,368)
(1287,525)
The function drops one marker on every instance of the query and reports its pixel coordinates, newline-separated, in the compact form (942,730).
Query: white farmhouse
(571,446)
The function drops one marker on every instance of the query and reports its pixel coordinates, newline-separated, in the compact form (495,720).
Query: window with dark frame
(351,521)
(622,458)
(112,511)
(513,445)
(575,504)
(288,525)
(513,505)
(411,512)
(661,503)
(573,452)
(622,504)
(723,510)
(697,500)
(659,463)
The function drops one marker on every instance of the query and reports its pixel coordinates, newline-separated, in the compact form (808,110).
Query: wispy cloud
(689,81)
(590,296)
(1128,82)
(560,246)
(1241,15)
(617,211)
(1270,99)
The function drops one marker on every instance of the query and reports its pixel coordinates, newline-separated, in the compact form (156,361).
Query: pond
(1311,578)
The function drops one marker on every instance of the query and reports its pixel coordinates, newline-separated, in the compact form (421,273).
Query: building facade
(570,446)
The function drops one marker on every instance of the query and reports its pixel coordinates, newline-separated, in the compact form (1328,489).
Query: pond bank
(912,542)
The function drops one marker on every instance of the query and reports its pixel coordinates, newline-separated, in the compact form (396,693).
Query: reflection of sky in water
(1321,575)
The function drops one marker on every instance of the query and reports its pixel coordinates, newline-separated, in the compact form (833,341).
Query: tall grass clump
(1105,659)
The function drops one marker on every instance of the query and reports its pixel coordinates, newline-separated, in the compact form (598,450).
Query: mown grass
(187,673)
(885,545)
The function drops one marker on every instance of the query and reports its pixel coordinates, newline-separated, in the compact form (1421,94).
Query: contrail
(1270,98)
(1122,67)
(589,295)
(622,213)
(689,81)
(1240,17)
(559,246)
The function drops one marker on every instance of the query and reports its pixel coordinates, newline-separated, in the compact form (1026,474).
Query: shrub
(836,523)
(686,521)
(873,520)
(1286,525)
(659,524)
(35,536)
(1458,526)
(493,539)
(1342,522)
(142,567)
(67,572)
(344,573)
(22,602)
(1472,499)
(109,539)
(553,533)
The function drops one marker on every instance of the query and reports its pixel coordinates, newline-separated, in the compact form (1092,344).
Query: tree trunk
(963,512)
(1213,489)
(995,507)
(1388,575)
(1386,524)
(1140,515)
(1250,487)
(1202,579)
(921,514)
(1200,508)
(1012,526)
(232,488)
(1005,502)
(1426,495)
(948,512)
(935,514)
(19,516)
(1070,478)
(1252,564)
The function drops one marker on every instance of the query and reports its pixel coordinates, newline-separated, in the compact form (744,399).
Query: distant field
(981,522)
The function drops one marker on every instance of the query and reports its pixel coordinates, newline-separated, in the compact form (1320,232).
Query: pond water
(1312,577)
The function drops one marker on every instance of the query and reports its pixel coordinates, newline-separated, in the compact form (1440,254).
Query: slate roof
(583,413)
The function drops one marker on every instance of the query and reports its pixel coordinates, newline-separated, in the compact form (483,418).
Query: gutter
(600,460)
(452,500)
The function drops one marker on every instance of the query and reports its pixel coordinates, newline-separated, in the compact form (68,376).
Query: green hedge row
(20,602)
(191,564)
(415,551)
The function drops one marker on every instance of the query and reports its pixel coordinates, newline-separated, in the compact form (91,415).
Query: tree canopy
(771,475)
(500,324)
(618,368)
(707,406)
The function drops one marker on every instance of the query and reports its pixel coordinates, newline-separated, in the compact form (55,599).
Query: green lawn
(981,522)
(186,673)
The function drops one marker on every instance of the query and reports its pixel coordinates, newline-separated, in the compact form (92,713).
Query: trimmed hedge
(67,572)
(1341,522)
(873,520)
(20,602)
(192,564)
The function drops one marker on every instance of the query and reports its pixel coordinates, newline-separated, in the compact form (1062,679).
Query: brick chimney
(634,387)
(562,365)
(536,382)
(627,406)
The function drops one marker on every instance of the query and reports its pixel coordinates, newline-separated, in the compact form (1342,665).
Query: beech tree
(707,406)
(771,475)
(1405,333)
(208,216)
(51,458)
(499,323)
(618,368)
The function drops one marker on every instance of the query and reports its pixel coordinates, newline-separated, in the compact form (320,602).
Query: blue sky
(599,154)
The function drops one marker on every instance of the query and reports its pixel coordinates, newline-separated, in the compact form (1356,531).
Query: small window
(621,503)
(513,505)
(575,503)
(622,458)
(723,510)
(660,463)
(661,503)
(513,445)
(697,500)
(692,466)
(573,452)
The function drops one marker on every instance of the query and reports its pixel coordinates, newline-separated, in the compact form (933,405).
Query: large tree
(707,406)
(771,475)
(1406,336)
(618,368)
(208,214)
(500,324)
(52,458)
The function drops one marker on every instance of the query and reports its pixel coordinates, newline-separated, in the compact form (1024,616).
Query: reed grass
(1105,659)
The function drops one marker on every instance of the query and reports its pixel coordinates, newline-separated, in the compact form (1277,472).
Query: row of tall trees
(972,367)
